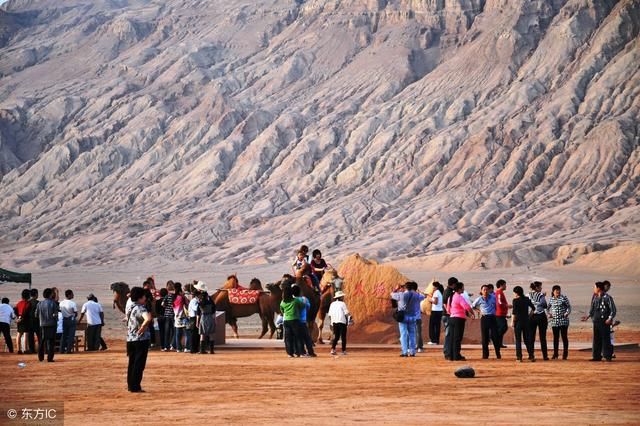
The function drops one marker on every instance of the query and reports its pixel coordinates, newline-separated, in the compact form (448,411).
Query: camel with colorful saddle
(239,302)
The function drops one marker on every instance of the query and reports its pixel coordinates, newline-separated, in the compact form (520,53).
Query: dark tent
(8,276)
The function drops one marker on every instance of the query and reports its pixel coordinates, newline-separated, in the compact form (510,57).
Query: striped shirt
(559,308)
(539,302)
(168,305)
(602,308)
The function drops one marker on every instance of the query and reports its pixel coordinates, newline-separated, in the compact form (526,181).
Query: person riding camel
(302,268)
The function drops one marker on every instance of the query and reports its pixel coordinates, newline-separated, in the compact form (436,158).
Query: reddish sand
(373,386)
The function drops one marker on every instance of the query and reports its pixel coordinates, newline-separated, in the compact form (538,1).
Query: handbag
(398,314)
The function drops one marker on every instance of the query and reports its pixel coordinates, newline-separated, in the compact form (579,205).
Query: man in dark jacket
(47,313)
(448,294)
(602,313)
(34,331)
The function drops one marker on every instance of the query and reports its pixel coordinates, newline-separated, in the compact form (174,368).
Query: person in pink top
(180,318)
(458,308)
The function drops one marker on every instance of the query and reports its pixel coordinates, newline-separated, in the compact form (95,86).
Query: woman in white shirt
(339,315)
(436,314)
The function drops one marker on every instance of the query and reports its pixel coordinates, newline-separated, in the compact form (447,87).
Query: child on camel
(302,268)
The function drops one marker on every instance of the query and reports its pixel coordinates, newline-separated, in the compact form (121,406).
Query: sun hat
(338,294)
(201,286)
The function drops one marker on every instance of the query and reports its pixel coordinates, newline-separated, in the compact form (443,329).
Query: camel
(264,307)
(232,282)
(120,295)
(330,283)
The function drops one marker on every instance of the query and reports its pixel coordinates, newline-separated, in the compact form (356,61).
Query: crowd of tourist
(186,319)
(531,314)
(48,323)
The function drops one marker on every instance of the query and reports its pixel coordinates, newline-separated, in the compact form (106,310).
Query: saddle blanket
(243,297)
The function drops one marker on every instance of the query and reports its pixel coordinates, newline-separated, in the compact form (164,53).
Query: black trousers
(292,337)
(305,338)
(6,332)
(169,332)
(152,334)
(502,328)
(434,327)
(47,343)
(419,339)
(521,332)
(539,322)
(339,333)
(457,332)
(137,353)
(557,331)
(601,340)
(93,337)
(446,320)
(195,336)
(489,330)
(31,337)
(161,323)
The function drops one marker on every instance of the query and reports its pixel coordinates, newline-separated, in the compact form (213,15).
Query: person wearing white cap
(339,314)
(206,319)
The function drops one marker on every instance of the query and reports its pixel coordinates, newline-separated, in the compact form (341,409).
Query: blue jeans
(68,334)
(180,332)
(408,336)
(187,340)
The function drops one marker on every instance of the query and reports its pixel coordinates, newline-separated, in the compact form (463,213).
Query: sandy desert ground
(366,386)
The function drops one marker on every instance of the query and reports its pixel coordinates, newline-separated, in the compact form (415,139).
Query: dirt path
(372,386)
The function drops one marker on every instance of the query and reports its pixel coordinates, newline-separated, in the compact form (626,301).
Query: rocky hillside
(232,131)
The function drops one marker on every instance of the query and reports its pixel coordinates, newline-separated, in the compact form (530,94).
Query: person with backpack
(303,329)
(409,306)
(290,307)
